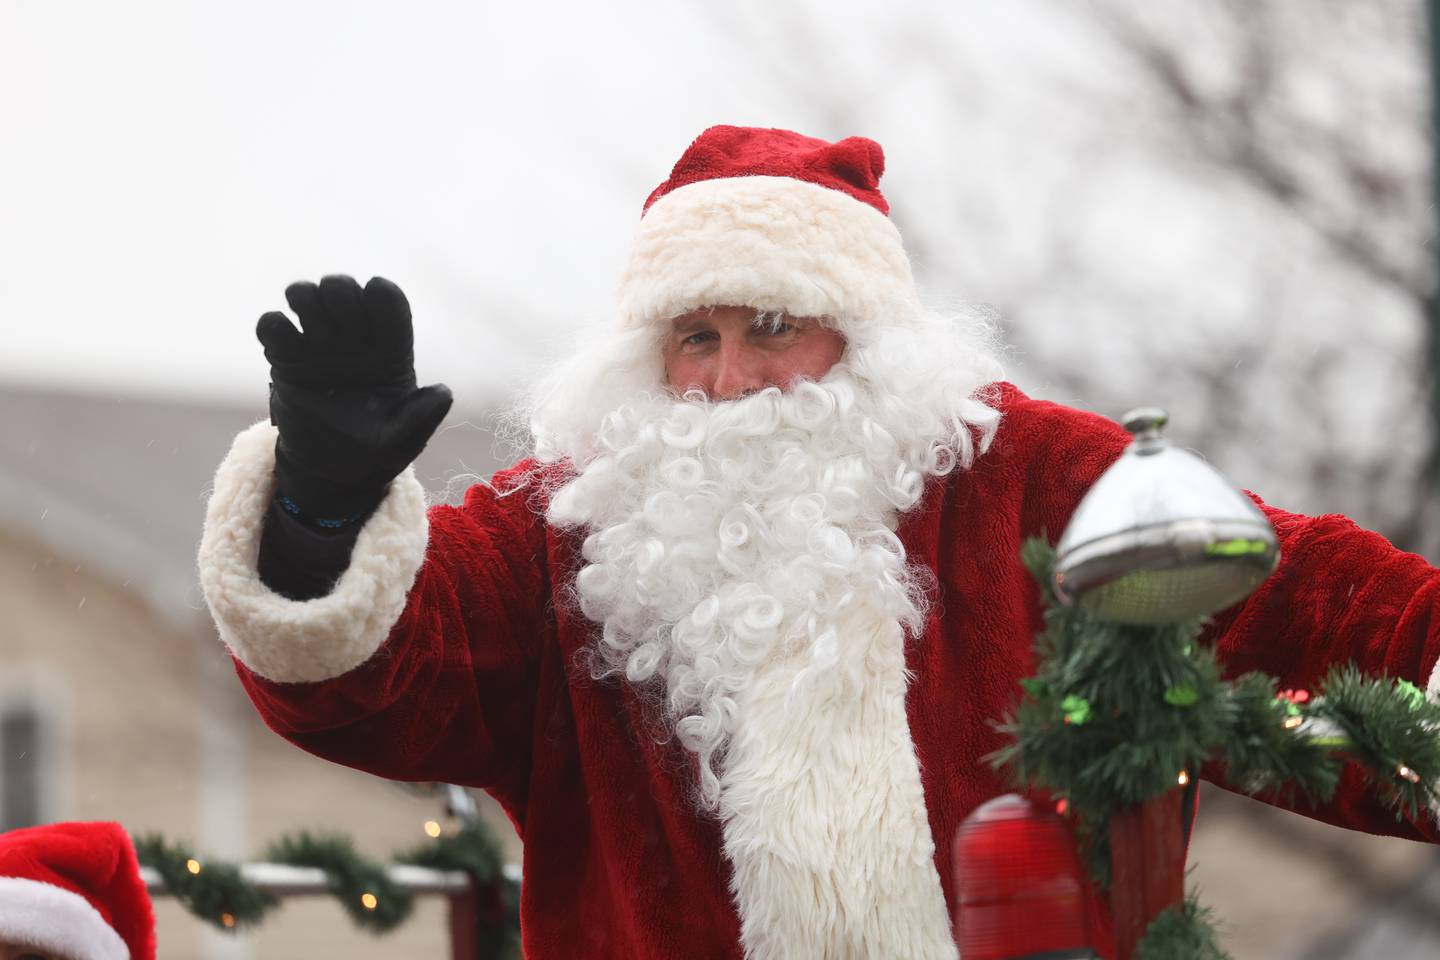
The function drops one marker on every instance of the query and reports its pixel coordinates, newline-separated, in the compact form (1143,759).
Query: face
(729,353)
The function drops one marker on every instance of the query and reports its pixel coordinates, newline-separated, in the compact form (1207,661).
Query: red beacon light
(1020,889)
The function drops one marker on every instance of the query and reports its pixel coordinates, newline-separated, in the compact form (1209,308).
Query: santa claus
(729,646)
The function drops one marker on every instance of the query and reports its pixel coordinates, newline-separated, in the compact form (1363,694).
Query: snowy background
(1223,208)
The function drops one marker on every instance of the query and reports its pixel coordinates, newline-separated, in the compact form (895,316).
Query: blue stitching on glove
(293,508)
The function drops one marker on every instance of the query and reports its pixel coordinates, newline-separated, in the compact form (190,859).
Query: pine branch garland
(216,892)
(1263,756)
(212,890)
(1187,932)
(362,886)
(471,849)
(1117,715)
(1391,730)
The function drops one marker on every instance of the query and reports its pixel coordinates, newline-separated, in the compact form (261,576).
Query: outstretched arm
(1341,594)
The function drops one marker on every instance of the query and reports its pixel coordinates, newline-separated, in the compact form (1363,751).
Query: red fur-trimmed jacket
(446,653)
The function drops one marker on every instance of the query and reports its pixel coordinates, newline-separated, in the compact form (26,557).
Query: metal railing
(284,880)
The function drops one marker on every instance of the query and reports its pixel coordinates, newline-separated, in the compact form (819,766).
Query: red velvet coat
(473,684)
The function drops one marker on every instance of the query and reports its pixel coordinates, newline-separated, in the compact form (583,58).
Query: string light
(334,857)
(1407,773)
(1062,806)
(432,829)
(1292,722)
(1183,778)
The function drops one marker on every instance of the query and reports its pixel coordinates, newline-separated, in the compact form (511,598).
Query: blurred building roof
(119,483)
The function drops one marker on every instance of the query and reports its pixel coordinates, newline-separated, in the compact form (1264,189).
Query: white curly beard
(727,536)
(742,561)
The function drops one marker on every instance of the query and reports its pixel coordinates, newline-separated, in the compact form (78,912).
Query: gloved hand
(343,396)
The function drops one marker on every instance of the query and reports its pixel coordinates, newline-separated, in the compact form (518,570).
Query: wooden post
(464,924)
(1147,862)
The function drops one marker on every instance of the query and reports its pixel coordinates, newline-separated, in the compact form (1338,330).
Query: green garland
(216,892)
(212,890)
(1116,715)
(362,886)
(1186,932)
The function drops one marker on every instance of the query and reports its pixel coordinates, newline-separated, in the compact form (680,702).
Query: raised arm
(410,658)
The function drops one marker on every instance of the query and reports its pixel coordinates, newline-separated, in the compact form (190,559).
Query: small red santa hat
(774,220)
(74,889)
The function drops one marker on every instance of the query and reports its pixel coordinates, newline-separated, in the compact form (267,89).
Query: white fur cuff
(294,640)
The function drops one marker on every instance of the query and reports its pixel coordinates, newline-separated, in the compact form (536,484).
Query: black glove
(344,398)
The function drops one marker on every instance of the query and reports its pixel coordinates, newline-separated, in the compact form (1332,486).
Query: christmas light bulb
(369,901)
(227,919)
(193,866)
(432,829)
(1183,778)
(1407,773)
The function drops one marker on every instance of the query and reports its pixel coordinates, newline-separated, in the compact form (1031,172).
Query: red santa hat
(773,220)
(74,889)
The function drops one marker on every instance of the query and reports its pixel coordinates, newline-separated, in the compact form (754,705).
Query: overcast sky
(169,166)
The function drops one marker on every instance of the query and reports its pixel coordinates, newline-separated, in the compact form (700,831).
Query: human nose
(737,373)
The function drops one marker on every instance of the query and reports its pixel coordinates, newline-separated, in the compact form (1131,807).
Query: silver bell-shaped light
(1162,536)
